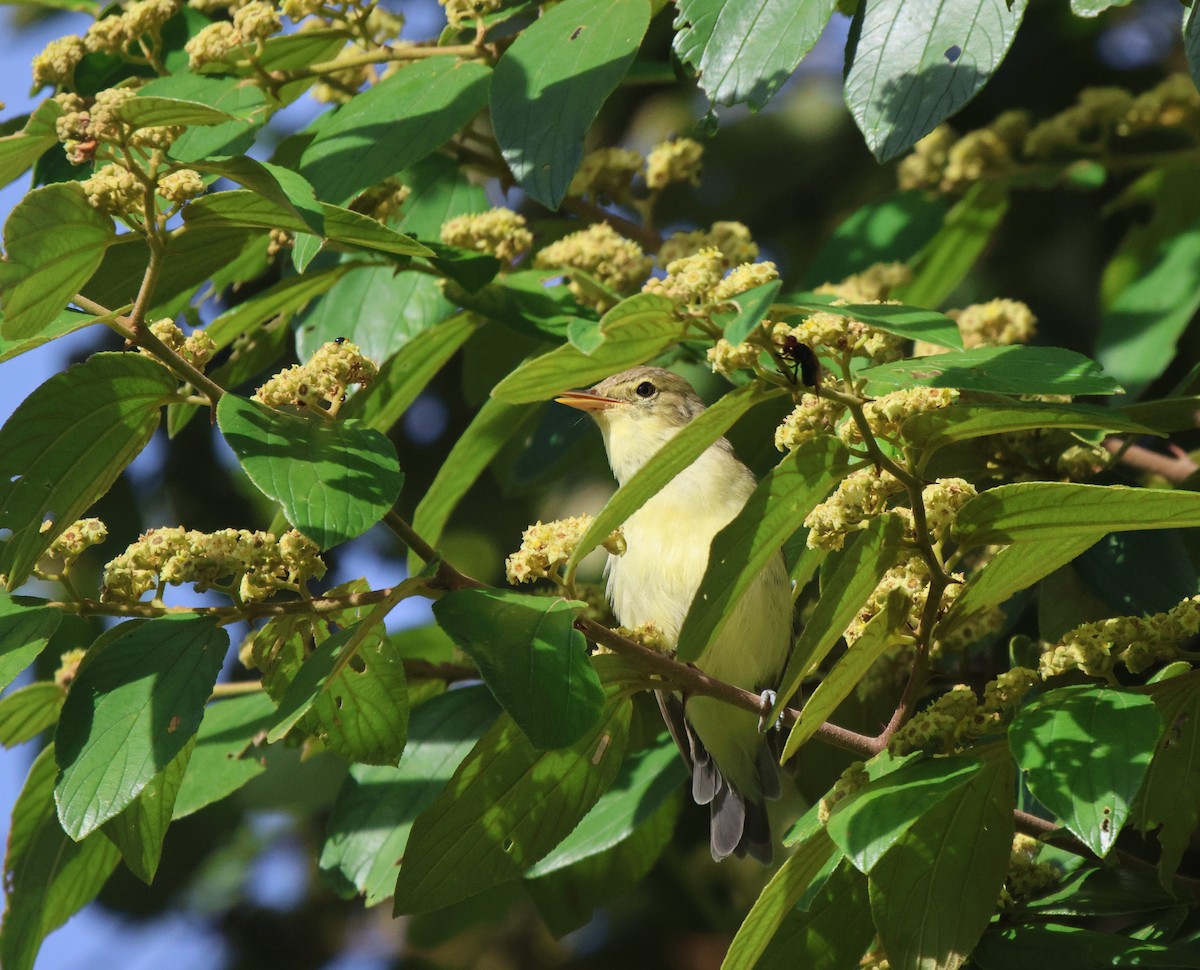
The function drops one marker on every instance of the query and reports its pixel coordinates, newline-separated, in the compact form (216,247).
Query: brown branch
(1175,467)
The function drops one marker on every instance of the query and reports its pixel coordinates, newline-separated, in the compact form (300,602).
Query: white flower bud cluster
(69,546)
(607,172)
(600,251)
(547,545)
(674,161)
(1137,641)
(811,417)
(500,232)
(886,415)
(732,238)
(322,381)
(861,496)
(197,348)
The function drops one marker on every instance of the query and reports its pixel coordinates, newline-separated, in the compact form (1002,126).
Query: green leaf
(1072,948)
(672,458)
(1004,370)
(778,899)
(280,185)
(934,891)
(227,753)
(140,828)
(635,330)
(752,306)
(894,229)
(131,709)
(744,52)
(868,823)
(375,809)
(1139,573)
(1191,40)
(945,261)
(394,124)
(1150,290)
(909,322)
(741,550)
(47,876)
(26,626)
(147,110)
(850,669)
(531,657)
(21,150)
(1093,8)
(551,83)
(494,425)
(1084,752)
(242,207)
(354,685)
(857,573)
(68,321)
(961,422)
(831,933)
(1171,795)
(245,103)
(1011,570)
(333,479)
(66,444)
(914,64)
(405,375)
(1061,510)
(53,240)
(479,831)
(647,780)
(28,711)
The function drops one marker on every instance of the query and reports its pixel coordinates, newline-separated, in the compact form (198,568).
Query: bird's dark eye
(646,389)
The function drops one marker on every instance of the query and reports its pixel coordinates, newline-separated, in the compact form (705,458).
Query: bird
(654,581)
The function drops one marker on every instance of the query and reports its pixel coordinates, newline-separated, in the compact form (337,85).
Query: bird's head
(638,411)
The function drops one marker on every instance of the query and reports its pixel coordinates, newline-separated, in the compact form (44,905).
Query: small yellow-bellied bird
(667,546)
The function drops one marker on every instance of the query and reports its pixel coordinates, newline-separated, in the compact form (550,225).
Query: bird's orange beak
(587,401)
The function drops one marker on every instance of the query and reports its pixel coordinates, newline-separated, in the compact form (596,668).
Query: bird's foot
(768,698)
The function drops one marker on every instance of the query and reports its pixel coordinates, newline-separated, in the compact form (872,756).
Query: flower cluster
(69,546)
(732,238)
(88,127)
(811,417)
(253,21)
(140,23)
(851,780)
(647,634)
(56,64)
(322,381)
(181,186)
(886,415)
(500,232)
(1026,876)
(617,262)
(458,11)
(114,189)
(1138,642)
(861,495)
(745,277)
(957,717)
(701,278)
(68,666)
(872,285)
(546,545)
(607,172)
(384,200)
(674,161)
(197,348)
(842,337)
(250,565)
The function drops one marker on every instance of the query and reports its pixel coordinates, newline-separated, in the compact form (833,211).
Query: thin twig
(1175,467)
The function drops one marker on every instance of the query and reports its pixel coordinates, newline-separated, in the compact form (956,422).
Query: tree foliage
(991,709)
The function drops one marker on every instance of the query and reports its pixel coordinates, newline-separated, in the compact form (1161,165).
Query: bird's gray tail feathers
(737,825)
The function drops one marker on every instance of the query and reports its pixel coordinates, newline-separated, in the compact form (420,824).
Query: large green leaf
(632,332)
(54,239)
(66,444)
(406,374)
(741,550)
(744,51)
(551,83)
(1151,288)
(1084,752)
(280,185)
(831,933)
(1073,948)
(22,149)
(672,458)
(1004,370)
(28,711)
(945,261)
(246,103)
(394,124)
(913,63)
(646,781)
(531,657)
(138,831)
(146,110)
(48,877)
(354,685)
(243,207)
(480,832)
(26,626)
(876,637)
(868,823)
(1061,510)
(377,804)
(1171,795)
(132,708)
(856,574)
(778,899)
(333,479)
(934,891)
(68,321)
(227,752)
